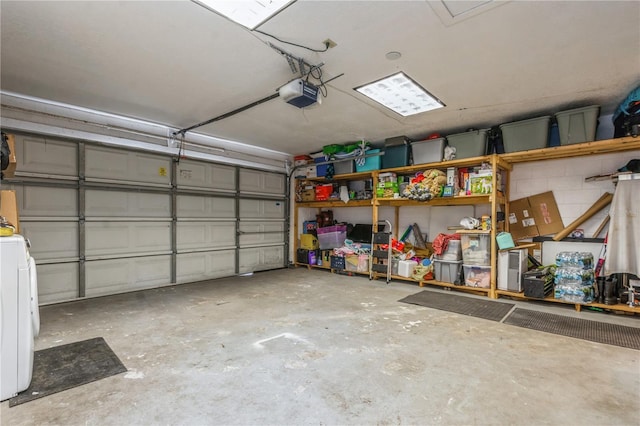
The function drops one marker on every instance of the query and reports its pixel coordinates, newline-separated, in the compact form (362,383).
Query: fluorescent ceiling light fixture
(401,94)
(248,13)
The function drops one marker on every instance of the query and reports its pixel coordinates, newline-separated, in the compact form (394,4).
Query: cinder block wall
(566,178)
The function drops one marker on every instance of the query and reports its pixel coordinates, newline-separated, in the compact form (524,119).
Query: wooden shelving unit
(496,199)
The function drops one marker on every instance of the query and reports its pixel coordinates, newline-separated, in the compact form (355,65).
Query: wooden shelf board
(617,307)
(439,201)
(335,203)
(455,286)
(576,150)
(311,266)
(346,176)
(463,162)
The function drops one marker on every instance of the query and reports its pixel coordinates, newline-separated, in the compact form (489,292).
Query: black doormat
(460,304)
(67,366)
(594,331)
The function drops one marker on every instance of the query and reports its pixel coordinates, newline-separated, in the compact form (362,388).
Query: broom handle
(595,208)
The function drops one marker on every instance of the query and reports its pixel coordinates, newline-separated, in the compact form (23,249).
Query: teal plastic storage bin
(395,156)
(526,134)
(578,125)
(368,164)
(469,144)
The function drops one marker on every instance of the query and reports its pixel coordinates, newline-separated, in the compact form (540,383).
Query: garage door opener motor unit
(299,93)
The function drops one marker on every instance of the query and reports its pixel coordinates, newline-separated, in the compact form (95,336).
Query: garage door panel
(41,155)
(40,201)
(127,166)
(197,174)
(57,282)
(121,275)
(126,238)
(51,241)
(258,182)
(273,257)
(205,265)
(127,204)
(261,258)
(205,235)
(261,209)
(197,206)
(261,233)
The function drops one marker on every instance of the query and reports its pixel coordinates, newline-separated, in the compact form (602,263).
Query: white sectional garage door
(103,220)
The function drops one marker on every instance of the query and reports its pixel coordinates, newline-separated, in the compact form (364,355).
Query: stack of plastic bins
(447,267)
(476,259)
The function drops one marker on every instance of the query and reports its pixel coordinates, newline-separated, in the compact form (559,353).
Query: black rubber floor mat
(594,331)
(460,304)
(67,366)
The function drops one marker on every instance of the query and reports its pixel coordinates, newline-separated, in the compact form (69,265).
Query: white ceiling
(177,63)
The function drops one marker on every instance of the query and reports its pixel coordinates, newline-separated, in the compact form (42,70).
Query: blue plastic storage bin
(321,170)
(371,163)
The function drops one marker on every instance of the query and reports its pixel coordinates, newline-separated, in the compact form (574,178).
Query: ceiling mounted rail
(182,132)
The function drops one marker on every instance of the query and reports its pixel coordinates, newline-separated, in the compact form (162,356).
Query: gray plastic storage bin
(578,125)
(447,271)
(428,150)
(469,144)
(343,167)
(526,134)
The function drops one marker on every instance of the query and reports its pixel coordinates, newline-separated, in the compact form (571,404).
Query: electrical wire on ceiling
(305,69)
(296,64)
(318,76)
(326,46)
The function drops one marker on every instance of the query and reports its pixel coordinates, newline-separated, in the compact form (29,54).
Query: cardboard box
(308,195)
(534,216)
(387,189)
(10,171)
(9,208)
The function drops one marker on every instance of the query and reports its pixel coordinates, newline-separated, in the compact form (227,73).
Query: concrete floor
(310,347)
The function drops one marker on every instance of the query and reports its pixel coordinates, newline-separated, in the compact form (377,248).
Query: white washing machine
(19,315)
